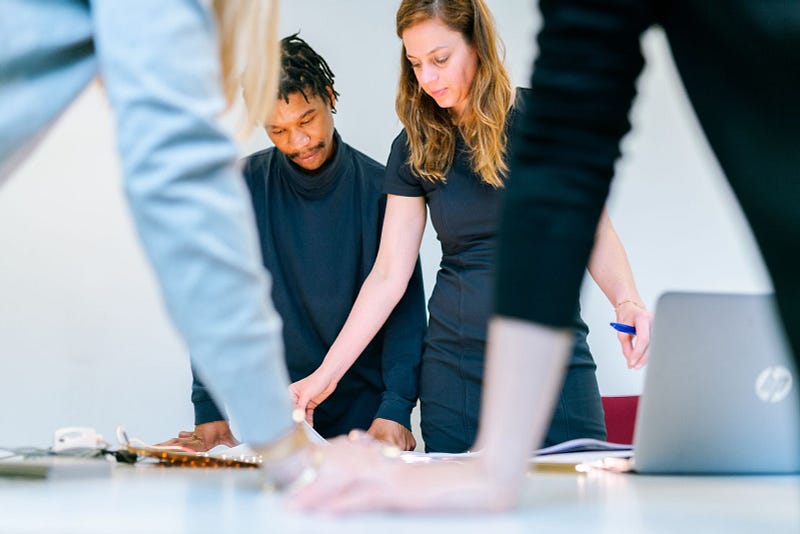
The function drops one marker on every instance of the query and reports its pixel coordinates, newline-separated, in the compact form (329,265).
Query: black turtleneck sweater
(319,235)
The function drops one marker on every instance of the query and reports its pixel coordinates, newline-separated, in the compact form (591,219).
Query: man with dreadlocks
(319,208)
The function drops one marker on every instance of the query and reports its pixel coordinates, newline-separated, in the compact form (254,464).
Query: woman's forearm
(403,226)
(525,366)
(611,271)
(378,296)
(609,266)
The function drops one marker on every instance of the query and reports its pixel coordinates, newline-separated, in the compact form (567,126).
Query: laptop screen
(720,394)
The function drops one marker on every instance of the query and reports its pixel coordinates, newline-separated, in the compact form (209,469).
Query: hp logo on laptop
(773,383)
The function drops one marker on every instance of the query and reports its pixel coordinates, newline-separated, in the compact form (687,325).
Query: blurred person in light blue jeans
(164,75)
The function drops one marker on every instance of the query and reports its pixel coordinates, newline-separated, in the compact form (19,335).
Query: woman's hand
(356,475)
(635,348)
(309,392)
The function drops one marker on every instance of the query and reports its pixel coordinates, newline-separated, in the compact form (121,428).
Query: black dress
(464,212)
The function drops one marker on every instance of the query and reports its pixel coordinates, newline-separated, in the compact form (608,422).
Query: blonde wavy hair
(249,53)
(432,130)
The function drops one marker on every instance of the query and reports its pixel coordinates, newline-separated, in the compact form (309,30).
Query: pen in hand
(624,328)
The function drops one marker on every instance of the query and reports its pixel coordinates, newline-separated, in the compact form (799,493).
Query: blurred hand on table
(358,475)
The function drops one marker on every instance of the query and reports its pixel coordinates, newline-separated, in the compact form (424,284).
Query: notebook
(721,393)
(241,456)
(55,467)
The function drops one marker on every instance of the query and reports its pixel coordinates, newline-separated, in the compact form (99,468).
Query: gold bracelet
(291,460)
(387,451)
(288,444)
(629,301)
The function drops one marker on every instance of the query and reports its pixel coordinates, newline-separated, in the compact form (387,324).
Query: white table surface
(151,499)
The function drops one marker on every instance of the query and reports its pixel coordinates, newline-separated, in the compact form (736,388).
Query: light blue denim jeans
(159,64)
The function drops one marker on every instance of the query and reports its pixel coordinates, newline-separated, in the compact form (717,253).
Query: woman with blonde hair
(456,103)
(164,66)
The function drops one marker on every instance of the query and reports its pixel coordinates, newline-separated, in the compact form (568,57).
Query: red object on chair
(620,418)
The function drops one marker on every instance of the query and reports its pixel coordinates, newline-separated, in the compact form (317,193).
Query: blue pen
(624,328)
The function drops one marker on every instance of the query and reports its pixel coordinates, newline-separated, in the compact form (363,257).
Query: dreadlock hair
(304,71)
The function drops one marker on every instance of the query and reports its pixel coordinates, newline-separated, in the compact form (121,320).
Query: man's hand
(205,437)
(309,392)
(393,433)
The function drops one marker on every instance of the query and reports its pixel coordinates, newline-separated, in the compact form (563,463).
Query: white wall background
(84,339)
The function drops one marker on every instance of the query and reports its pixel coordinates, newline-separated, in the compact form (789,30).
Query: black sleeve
(399,178)
(205,409)
(402,353)
(563,150)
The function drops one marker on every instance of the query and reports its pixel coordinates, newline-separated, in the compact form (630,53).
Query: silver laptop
(721,391)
